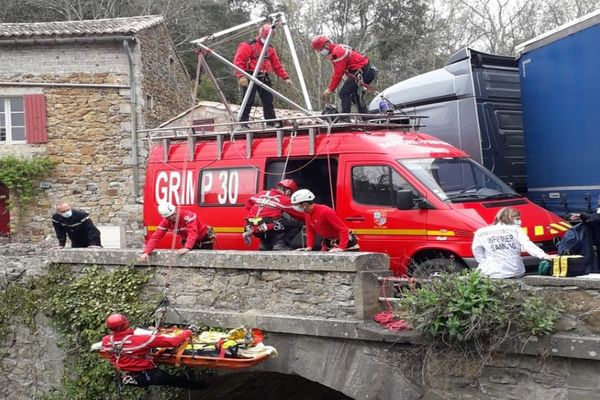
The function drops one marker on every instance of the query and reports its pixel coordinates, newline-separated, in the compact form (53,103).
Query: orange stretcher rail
(178,358)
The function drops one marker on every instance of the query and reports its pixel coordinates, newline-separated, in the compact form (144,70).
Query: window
(12,120)
(226,186)
(458,179)
(319,175)
(378,185)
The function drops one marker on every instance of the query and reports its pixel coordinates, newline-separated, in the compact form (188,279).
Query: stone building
(78,92)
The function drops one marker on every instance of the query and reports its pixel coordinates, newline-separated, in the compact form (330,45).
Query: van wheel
(427,268)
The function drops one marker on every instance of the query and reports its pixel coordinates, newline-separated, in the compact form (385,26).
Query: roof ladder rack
(191,145)
(312,135)
(220,140)
(166,144)
(279,134)
(249,138)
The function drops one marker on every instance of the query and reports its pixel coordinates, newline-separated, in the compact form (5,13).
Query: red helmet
(288,184)
(117,322)
(319,42)
(264,30)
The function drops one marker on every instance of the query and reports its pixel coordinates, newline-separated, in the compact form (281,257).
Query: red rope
(387,318)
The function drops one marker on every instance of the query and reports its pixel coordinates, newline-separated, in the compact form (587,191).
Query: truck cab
(403,193)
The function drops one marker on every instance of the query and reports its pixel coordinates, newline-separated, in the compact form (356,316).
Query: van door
(376,202)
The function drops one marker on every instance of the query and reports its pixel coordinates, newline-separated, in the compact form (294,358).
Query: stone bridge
(317,310)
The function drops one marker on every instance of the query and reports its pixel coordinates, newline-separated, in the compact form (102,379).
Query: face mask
(518,222)
(67,214)
(324,52)
(298,208)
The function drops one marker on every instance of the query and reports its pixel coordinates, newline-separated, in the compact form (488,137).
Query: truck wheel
(427,268)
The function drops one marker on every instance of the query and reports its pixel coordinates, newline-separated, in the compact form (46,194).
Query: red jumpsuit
(265,220)
(189,227)
(246,58)
(324,221)
(345,60)
(129,354)
(271,203)
(134,350)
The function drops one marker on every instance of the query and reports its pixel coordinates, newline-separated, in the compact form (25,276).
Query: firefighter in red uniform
(246,58)
(323,220)
(347,61)
(129,355)
(265,219)
(194,233)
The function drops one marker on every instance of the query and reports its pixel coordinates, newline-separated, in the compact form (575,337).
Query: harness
(117,348)
(255,56)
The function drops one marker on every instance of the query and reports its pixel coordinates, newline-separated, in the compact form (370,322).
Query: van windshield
(458,179)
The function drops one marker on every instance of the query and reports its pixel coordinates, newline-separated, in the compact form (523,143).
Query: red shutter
(36,128)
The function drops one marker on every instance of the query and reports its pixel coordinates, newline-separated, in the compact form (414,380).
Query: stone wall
(164,78)
(89,128)
(317,308)
(31,363)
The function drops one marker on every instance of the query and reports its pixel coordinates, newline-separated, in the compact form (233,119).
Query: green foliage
(77,306)
(21,175)
(473,312)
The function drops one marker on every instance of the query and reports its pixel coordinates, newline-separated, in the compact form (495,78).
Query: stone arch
(358,369)
(268,385)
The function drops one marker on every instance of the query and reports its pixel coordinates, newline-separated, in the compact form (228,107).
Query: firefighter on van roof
(265,219)
(323,220)
(194,233)
(246,58)
(346,60)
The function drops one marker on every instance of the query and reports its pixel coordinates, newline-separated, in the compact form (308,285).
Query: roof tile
(111,26)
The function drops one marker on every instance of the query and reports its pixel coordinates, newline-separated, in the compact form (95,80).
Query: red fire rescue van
(407,194)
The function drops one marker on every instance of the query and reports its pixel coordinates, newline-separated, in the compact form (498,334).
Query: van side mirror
(405,199)
(423,204)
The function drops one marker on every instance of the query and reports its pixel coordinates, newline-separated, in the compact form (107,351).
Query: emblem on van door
(380,218)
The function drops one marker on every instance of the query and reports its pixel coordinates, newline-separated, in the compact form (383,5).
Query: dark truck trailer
(560,84)
(474,103)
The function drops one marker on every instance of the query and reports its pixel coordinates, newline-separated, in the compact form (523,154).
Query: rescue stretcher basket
(239,348)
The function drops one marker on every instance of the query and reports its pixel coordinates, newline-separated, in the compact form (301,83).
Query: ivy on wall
(21,175)
(77,305)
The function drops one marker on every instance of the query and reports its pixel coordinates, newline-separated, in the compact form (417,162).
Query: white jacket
(497,249)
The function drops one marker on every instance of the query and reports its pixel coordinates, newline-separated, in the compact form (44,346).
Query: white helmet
(166,209)
(302,195)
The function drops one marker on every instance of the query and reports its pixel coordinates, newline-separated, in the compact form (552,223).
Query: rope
(172,256)
(387,318)
(243,157)
(329,126)
(287,157)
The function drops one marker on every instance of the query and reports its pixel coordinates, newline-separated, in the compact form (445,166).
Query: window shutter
(35,118)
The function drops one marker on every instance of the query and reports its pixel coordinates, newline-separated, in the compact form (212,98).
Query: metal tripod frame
(277,19)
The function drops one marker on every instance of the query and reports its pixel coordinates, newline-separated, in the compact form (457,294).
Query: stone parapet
(303,284)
